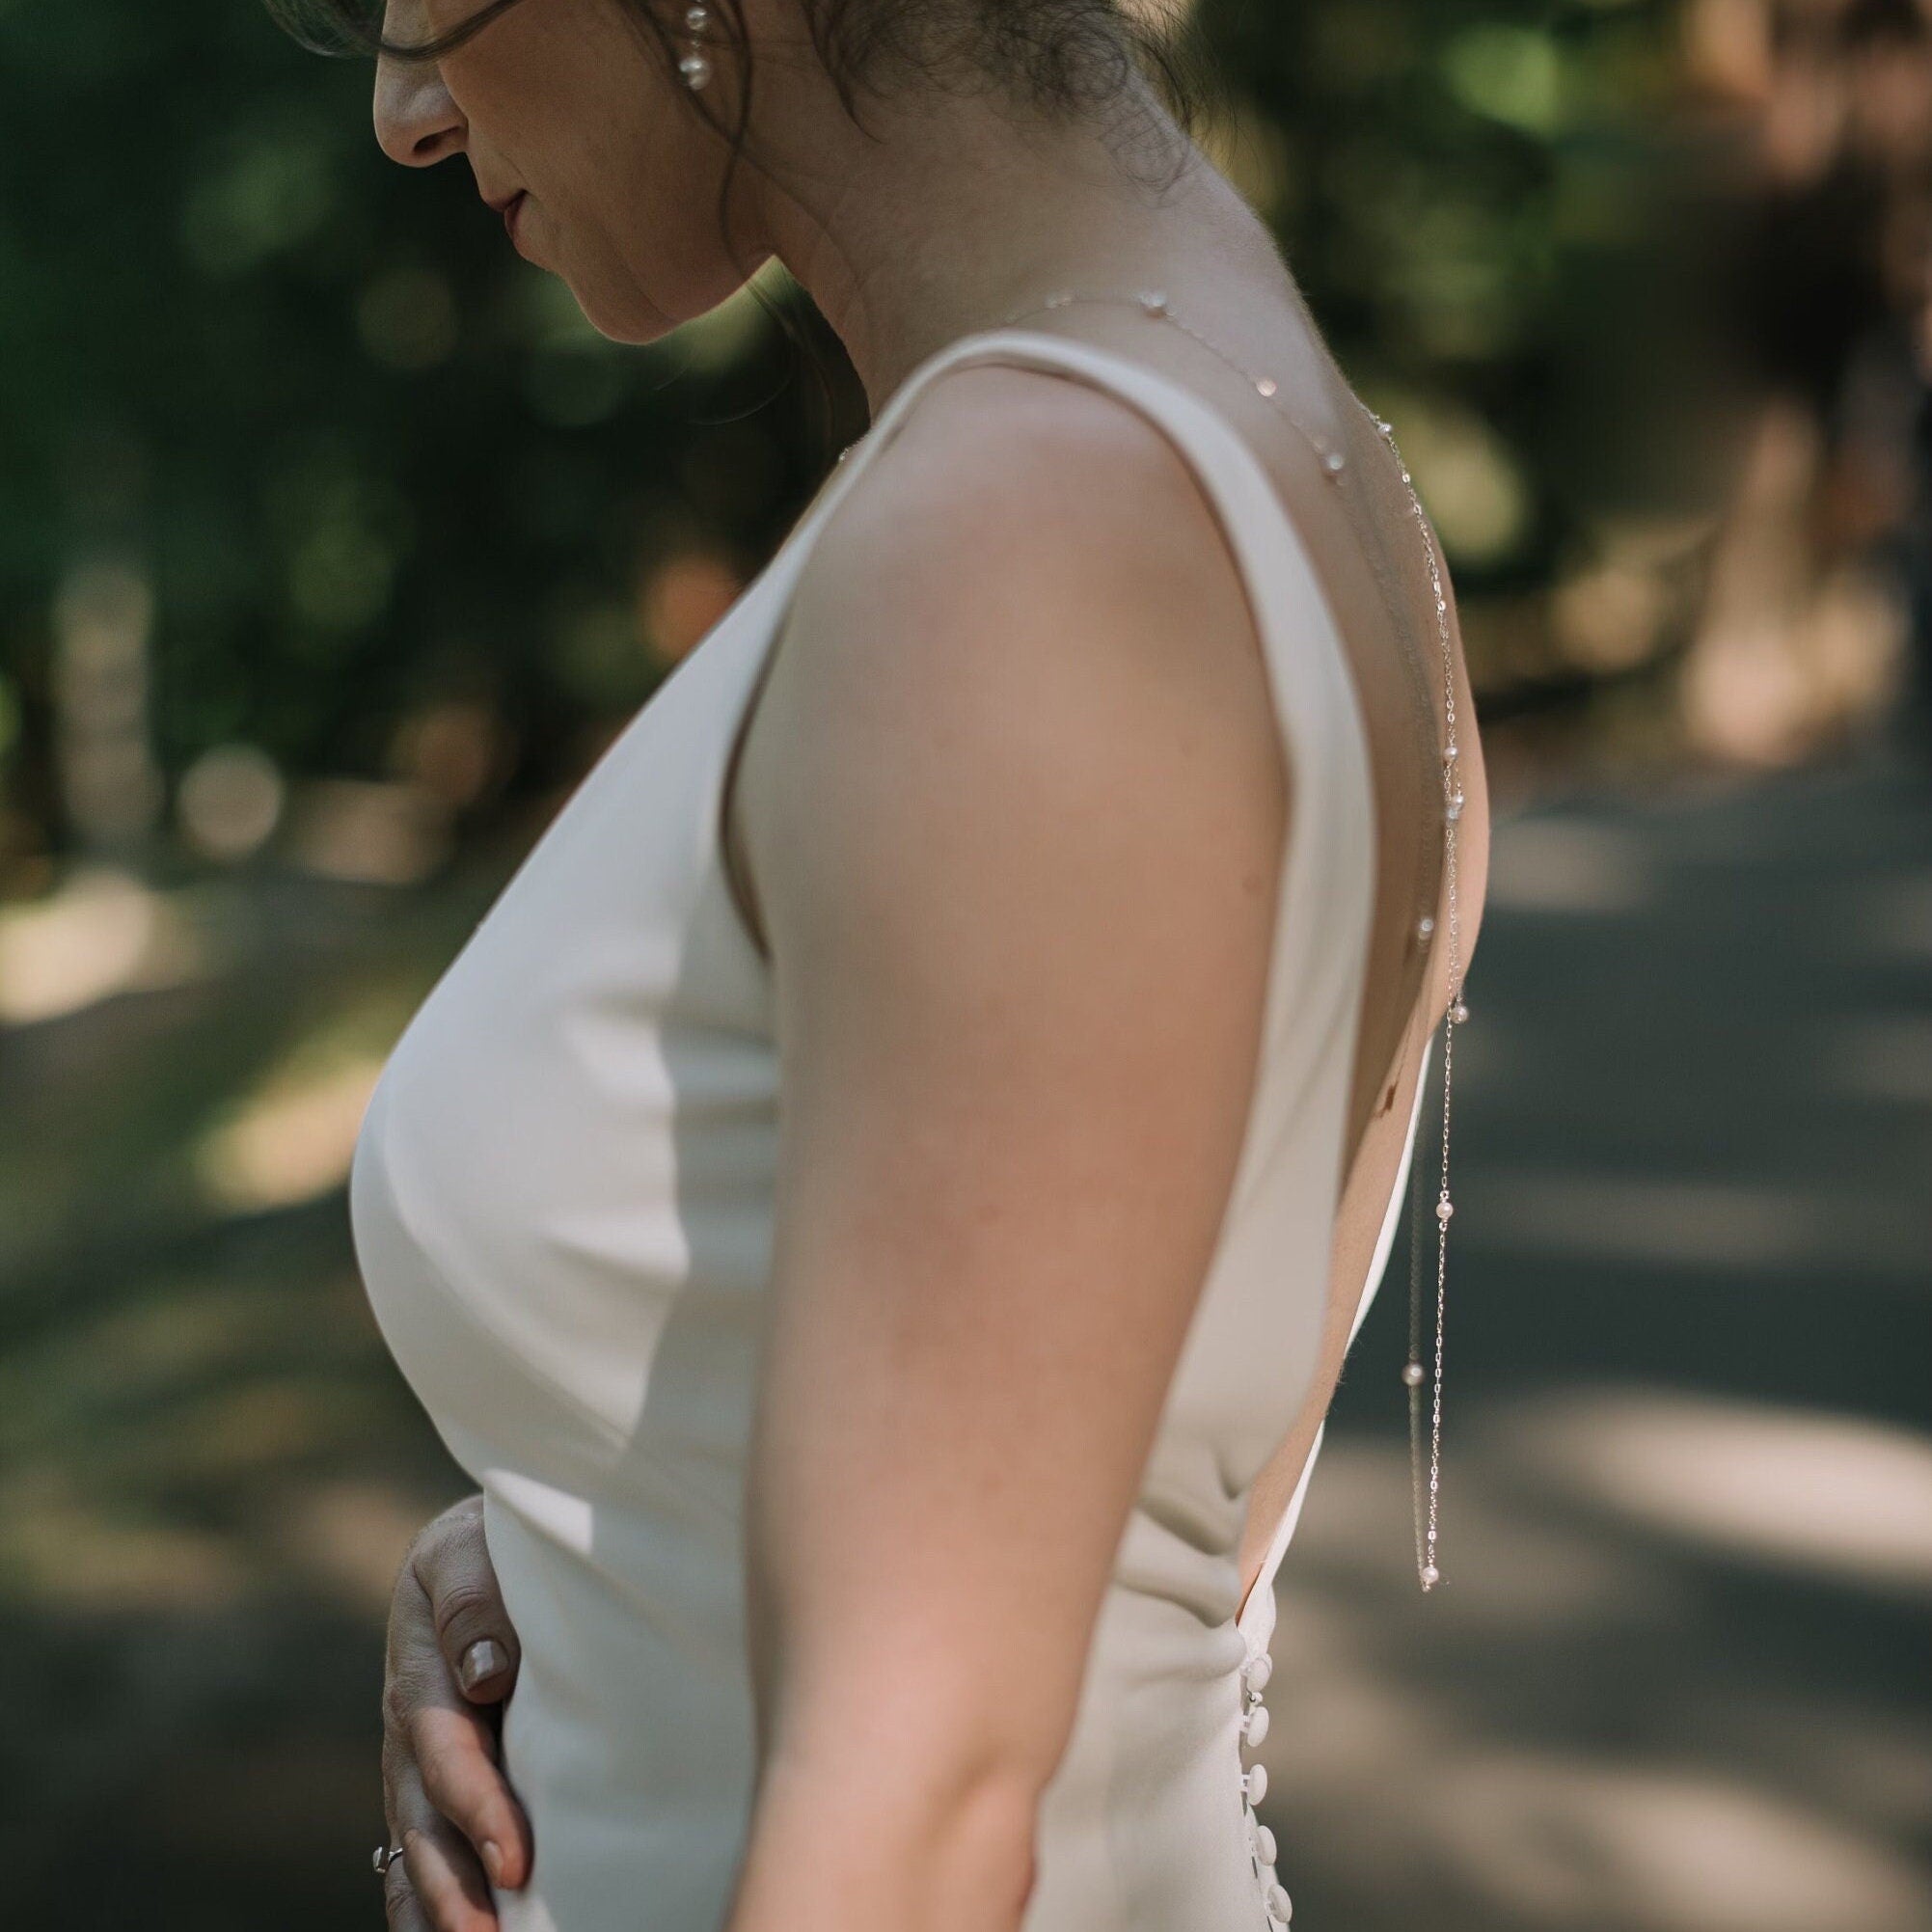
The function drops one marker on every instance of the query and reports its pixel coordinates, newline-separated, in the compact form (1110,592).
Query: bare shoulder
(1008,486)
(1029,570)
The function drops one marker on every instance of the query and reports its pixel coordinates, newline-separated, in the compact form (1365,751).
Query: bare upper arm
(1013,810)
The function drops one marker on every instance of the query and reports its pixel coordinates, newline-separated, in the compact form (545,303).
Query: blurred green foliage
(1477,195)
(374,460)
(371,455)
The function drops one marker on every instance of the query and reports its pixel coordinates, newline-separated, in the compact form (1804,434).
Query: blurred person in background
(881,1203)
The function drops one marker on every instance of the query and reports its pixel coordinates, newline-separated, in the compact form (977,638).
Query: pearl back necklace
(1423,1380)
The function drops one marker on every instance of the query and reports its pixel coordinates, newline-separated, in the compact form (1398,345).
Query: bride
(880,1203)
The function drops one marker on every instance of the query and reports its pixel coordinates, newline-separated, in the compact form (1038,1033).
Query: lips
(512,208)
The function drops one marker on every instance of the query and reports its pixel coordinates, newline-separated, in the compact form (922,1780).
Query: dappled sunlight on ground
(101,932)
(1880,1056)
(1655,1218)
(291,1141)
(1567,1841)
(209,1468)
(1897,915)
(62,1548)
(351,1536)
(1723,1227)
(1558,1737)
(1567,865)
(1840,1496)
(1673,1679)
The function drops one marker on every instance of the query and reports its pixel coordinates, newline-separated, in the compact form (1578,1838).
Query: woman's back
(565,1200)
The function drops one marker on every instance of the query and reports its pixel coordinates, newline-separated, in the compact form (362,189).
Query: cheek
(551,82)
(649,183)
(576,103)
(606,127)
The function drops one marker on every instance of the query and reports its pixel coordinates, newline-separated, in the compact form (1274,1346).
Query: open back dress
(564,1197)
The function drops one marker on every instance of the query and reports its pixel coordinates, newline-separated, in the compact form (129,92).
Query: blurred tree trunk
(1810,623)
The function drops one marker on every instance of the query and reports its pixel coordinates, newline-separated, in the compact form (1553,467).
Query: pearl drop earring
(696,66)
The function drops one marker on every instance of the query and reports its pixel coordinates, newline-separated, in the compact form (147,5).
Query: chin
(617,320)
(623,332)
(608,318)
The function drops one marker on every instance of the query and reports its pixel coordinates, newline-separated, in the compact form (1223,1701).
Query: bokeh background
(334,546)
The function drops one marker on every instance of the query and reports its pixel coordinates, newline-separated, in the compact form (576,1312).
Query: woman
(881,1202)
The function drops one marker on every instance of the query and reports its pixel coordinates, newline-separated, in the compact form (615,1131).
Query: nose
(417,121)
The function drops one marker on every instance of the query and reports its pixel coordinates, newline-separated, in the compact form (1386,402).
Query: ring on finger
(385,1856)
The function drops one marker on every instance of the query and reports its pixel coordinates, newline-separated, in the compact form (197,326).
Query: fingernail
(492,1861)
(485,1658)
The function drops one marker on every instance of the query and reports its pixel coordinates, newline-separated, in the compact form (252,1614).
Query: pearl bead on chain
(694,66)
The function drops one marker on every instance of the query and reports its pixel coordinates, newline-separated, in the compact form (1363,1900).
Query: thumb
(473,1627)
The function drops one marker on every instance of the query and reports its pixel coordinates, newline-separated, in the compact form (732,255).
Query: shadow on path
(1676,1677)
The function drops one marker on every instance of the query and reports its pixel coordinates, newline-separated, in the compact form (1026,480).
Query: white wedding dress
(563,1200)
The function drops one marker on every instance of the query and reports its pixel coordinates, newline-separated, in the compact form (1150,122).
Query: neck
(961,212)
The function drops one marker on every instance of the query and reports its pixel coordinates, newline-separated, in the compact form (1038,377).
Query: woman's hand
(452,1659)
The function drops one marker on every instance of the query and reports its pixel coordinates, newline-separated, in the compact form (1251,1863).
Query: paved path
(1677,1678)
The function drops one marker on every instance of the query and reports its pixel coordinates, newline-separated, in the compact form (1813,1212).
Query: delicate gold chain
(1415,1373)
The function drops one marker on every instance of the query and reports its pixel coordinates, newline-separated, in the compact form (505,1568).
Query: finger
(436,1741)
(455,1758)
(447,1589)
(399,1903)
(403,1804)
(445,1884)
(445,1887)
(451,1562)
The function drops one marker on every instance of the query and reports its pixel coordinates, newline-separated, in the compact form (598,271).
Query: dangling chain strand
(1334,464)
(1429,1573)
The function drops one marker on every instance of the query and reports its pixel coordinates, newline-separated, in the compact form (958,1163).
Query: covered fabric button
(1254,1727)
(1257,1670)
(1278,1907)
(1265,1842)
(1254,1784)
